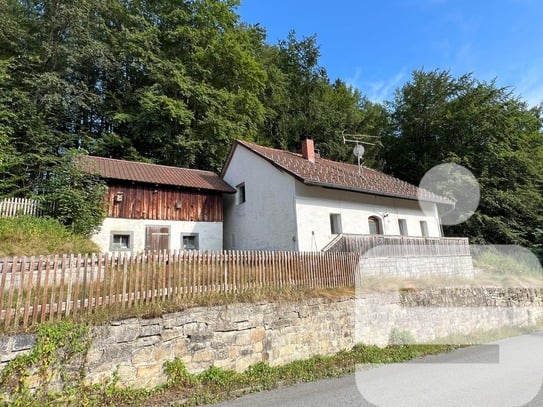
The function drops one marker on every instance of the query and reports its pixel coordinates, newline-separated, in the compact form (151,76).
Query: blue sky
(374,45)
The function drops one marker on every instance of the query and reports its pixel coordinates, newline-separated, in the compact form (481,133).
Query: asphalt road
(507,373)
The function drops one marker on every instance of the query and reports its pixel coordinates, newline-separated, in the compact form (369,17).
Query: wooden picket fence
(11,207)
(38,289)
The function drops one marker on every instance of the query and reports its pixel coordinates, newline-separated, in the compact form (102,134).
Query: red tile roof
(109,168)
(336,175)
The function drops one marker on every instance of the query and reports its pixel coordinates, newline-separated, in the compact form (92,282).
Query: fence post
(225,261)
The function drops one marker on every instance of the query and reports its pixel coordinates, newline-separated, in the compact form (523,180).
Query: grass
(26,236)
(501,267)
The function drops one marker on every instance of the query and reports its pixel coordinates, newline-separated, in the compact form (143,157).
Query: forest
(176,81)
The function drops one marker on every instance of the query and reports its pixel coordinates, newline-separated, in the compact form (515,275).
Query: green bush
(77,197)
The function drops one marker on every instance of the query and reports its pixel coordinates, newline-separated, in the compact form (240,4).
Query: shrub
(77,197)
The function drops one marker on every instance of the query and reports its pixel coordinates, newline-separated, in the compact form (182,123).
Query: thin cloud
(379,91)
(530,86)
(376,91)
(354,81)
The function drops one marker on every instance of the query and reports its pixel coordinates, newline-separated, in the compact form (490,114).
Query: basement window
(121,241)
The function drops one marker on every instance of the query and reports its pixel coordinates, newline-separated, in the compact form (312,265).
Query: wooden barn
(155,207)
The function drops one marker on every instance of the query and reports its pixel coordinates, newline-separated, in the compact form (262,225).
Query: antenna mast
(358,150)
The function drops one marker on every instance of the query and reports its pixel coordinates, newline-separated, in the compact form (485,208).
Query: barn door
(157,238)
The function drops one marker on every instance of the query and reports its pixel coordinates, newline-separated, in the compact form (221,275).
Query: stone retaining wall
(236,336)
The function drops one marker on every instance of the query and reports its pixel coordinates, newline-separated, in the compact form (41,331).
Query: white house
(157,207)
(301,202)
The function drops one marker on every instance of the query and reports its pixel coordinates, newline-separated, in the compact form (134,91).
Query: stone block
(258,334)
(243,363)
(234,352)
(117,353)
(124,333)
(143,356)
(127,373)
(23,342)
(205,355)
(179,347)
(171,333)
(151,330)
(243,338)
(195,328)
(148,371)
(94,355)
(147,341)
(5,344)
(163,352)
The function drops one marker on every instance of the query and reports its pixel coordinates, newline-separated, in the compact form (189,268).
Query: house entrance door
(157,238)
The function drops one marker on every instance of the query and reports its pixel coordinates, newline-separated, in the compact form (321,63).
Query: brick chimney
(308,149)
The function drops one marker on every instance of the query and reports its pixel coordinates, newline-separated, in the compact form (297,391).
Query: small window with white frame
(424,228)
(190,241)
(240,196)
(335,224)
(121,241)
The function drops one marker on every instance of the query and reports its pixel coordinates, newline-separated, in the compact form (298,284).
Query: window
(424,228)
(121,241)
(241,193)
(335,223)
(375,225)
(402,223)
(190,241)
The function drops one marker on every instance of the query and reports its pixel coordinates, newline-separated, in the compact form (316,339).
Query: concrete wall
(236,336)
(431,314)
(314,206)
(267,219)
(209,233)
(432,266)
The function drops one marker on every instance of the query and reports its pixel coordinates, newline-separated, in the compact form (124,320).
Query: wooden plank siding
(163,203)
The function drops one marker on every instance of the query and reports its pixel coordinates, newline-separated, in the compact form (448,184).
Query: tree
(187,84)
(487,129)
(301,101)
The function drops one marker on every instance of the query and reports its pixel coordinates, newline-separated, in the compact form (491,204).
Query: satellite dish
(358,151)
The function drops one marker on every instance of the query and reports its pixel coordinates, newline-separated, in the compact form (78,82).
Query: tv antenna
(358,150)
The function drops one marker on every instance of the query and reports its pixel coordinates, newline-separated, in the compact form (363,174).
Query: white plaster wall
(267,219)
(315,204)
(209,233)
